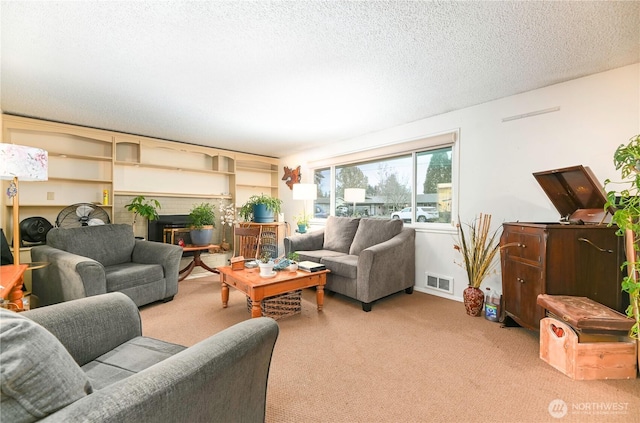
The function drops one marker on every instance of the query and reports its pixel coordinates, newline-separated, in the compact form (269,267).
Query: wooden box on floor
(589,342)
(586,357)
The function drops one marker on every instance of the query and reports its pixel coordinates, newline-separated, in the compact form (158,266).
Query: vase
(473,300)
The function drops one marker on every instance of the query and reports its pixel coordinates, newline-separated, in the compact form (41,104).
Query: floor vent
(439,282)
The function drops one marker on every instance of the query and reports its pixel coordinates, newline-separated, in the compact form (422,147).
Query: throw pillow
(339,232)
(374,231)
(38,375)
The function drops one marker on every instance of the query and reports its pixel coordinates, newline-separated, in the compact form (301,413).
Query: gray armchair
(91,363)
(93,260)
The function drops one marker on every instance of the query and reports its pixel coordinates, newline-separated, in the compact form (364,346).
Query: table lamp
(19,162)
(305,192)
(355,195)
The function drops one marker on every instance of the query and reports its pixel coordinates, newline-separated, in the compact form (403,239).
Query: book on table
(311,266)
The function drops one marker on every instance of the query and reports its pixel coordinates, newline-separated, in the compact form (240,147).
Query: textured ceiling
(275,78)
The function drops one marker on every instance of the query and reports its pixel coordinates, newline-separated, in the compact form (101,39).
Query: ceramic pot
(293,267)
(262,215)
(473,300)
(202,236)
(266,269)
(302,228)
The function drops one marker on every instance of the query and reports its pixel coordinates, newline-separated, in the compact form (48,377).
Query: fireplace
(158,228)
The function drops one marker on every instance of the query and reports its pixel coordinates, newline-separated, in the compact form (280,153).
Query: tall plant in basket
(627,217)
(478,247)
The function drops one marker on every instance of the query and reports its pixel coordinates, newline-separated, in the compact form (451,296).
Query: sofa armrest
(387,267)
(67,276)
(167,255)
(310,241)
(91,326)
(222,378)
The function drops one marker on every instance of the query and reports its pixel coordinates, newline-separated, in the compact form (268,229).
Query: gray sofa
(368,258)
(87,361)
(92,260)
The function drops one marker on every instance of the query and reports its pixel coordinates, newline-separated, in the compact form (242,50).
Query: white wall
(597,113)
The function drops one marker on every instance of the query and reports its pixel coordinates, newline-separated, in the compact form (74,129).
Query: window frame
(412,147)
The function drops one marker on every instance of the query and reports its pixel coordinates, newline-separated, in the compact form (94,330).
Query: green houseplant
(261,208)
(479,249)
(302,220)
(140,206)
(627,217)
(201,220)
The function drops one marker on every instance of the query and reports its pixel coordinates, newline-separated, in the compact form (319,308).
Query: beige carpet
(413,358)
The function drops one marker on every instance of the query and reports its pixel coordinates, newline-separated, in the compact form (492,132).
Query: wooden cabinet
(559,259)
(271,237)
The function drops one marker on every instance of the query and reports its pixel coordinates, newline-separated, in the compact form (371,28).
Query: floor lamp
(355,195)
(305,192)
(18,162)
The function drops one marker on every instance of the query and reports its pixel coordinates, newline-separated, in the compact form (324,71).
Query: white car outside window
(423,214)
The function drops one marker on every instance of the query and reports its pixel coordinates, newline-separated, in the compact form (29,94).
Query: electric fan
(33,231)
(81,214)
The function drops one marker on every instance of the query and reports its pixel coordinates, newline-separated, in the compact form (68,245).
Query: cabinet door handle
(513,244)
(520,280)
(602,250)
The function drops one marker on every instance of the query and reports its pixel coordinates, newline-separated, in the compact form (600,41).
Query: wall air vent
(439,282)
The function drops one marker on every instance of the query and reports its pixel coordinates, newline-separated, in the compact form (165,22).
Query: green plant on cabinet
(271,204)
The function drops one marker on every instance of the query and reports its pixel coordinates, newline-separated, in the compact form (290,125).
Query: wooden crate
(588,356)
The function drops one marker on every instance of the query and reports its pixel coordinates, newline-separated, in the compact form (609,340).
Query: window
(394,185)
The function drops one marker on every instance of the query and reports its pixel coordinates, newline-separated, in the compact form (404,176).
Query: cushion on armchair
(38,375)
(374,231)
(84,242)
(339,233)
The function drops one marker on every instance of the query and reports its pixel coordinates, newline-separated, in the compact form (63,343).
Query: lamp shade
(305,191)
(354,195)
(24,163)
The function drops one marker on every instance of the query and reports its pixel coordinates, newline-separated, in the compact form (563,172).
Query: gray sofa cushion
(374,231)
(344,265)
(96,242)
(339,233)
(127,359)
(129,275)
(38,375)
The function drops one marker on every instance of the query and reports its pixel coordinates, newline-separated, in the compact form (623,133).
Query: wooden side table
(11,278)
(197,261)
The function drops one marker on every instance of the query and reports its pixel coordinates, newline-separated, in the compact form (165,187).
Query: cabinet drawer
(523,244)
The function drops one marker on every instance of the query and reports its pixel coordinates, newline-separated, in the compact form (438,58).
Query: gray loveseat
(92,260)
(87,361)
(368,258)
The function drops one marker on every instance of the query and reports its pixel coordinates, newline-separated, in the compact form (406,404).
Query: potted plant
(261,208)
(266,264)
(201,222)
(478,248)
(293,260)
(627,217)
(227,218)
(140,206)
(302,221)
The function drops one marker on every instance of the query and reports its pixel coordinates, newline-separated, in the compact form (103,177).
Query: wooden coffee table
(258,288)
